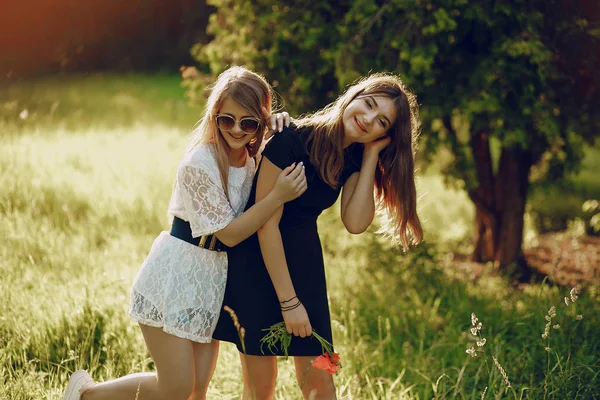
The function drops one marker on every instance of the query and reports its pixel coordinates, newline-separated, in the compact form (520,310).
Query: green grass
(99,100)
(568,195)
(84,196)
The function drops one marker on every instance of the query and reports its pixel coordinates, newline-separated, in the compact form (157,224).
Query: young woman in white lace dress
(177,295)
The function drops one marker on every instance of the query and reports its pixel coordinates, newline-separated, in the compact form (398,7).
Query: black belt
(182,230)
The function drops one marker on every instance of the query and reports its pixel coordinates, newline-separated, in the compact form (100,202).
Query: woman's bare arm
(271,245)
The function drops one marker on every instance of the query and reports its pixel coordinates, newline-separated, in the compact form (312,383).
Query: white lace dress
(180,287)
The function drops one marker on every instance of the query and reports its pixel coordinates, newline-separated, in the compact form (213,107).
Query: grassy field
(86,174)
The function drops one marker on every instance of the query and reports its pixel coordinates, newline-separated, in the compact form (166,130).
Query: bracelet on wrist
(291,307)
(288,300)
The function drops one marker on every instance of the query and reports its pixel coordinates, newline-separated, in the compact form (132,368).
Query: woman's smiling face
(368,118)
(235,137)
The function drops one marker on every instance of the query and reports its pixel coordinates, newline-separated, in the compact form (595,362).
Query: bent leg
(260,373)
(315,384)
(174,377)
(205,360)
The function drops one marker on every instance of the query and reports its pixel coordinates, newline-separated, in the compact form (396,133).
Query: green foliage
(292,44)
(592,209)
(508,69)
(569,196)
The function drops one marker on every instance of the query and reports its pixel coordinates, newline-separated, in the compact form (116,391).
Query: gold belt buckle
(213,241)
(202,241)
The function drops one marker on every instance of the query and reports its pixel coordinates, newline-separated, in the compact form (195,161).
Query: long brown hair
(251,91)
(394,181)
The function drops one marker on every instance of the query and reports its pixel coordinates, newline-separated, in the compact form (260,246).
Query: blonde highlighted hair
(251,91)
(394,181)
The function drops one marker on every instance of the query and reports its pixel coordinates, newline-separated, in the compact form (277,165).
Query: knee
(318,385)
(180,389)
(262,388)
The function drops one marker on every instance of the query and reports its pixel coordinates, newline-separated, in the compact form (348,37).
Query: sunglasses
(248,125)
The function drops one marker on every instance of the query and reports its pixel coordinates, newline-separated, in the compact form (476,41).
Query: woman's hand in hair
(372,149)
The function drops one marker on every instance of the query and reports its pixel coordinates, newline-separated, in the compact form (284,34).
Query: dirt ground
(567,261)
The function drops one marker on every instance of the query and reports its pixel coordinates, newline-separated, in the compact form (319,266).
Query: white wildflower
(546,331)
(471,352)
(574,292)
(579,317)
(481,343)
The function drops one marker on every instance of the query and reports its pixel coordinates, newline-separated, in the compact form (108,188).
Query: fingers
(300,174)
(273,121)
(287,170)
(283,119)
(278,121)
(300,184)
(302,330)
(288,328)
(296,171)
(301,188)
(383,143)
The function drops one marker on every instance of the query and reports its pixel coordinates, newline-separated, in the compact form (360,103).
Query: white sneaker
(79,380)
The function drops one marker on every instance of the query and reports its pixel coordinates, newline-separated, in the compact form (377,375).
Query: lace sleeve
(206,207)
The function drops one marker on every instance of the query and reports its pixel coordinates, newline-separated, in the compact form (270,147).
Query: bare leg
(174,377)
(260,373)
(205,360)
(315,384)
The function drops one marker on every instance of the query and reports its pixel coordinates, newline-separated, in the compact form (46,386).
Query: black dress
(250,292)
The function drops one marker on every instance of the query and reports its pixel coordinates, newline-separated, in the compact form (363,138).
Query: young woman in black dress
(363,141)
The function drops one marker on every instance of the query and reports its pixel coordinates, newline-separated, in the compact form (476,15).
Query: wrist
(291,304)
(288,300)
(370,157)
(275,198)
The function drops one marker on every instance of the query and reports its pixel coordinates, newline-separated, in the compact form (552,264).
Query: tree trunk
(499,202)
(512,185)
(483,196)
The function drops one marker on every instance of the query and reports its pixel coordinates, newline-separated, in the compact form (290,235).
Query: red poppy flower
(330,363)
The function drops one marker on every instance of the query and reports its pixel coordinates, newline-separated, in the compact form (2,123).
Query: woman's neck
(347,142)
(237,158)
